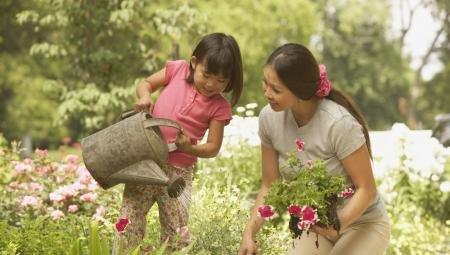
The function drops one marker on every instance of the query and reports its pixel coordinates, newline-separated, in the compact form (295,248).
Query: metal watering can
(132,150)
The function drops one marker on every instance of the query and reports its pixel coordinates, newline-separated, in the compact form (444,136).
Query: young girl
(302,105)
(191,96)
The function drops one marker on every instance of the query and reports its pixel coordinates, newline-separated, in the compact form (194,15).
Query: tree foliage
(91,53)
(361,59)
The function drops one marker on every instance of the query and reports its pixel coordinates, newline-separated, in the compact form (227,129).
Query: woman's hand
(328,232)
(183,142)
(248,246)
(144,103)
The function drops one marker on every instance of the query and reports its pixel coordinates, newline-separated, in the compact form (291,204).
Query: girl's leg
(371,238)
(306,245)
(174,212)
(137,200)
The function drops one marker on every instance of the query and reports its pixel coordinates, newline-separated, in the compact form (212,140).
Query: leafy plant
(311,197)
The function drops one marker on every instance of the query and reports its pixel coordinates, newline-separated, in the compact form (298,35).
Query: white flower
(251,106)
(445,186)
(240,109)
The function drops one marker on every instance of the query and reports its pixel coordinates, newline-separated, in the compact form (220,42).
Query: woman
(302,105)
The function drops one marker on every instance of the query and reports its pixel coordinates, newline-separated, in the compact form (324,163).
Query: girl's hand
(328,232)
(144,103)
(183,142)
(248,246)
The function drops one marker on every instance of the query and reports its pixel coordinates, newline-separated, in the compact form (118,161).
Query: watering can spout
(142,172)
(148,172)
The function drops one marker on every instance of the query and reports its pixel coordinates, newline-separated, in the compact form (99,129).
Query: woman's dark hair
(297,68)
(221,55)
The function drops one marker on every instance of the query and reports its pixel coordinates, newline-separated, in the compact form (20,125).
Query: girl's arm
(145,88)
(269,160)
(358,167)
(209,149)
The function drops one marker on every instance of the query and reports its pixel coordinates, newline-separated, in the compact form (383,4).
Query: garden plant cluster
(51,205)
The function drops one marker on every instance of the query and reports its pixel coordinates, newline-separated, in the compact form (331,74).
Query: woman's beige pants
(364,237)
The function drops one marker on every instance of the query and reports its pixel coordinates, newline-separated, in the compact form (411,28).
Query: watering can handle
(163,122)
(160,122)
(127,114)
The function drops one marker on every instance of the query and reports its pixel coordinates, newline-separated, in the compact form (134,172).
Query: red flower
(309,214)
(122,224)
(308,217)
(267,212)
(300,144)
(295,210)
(346,193)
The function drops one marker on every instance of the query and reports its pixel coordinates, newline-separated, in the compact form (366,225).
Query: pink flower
(300,144)
(84,176)
(295,210)
(68,190)
(346,193)
(20,167)
(310,163)
(88,197)
(324,87)
(71,159)
(267,212)
(29,201)
(308,218)
(42,153)
(303,225)
(57,214)
(122,224)
(72,208)
(309,214)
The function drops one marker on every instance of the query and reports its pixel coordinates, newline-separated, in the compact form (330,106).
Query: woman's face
(279,96)
(206,83)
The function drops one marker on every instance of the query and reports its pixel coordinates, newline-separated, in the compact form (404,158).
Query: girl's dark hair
(221,55)
(297,68)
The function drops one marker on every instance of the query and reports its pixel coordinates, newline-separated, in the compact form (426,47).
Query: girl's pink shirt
(179,101)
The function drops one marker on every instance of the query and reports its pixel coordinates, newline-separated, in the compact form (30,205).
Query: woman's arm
(269,160)
(145,88)
(205,150)
(358,167)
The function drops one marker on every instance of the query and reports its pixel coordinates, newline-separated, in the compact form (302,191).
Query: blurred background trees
(68,68)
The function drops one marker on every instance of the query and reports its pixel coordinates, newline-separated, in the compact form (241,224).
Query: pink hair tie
(324,87)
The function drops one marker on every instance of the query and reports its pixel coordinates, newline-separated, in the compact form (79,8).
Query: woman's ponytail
(346,101)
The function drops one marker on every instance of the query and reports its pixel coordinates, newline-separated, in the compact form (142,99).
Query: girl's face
(206,83)
(279,96)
